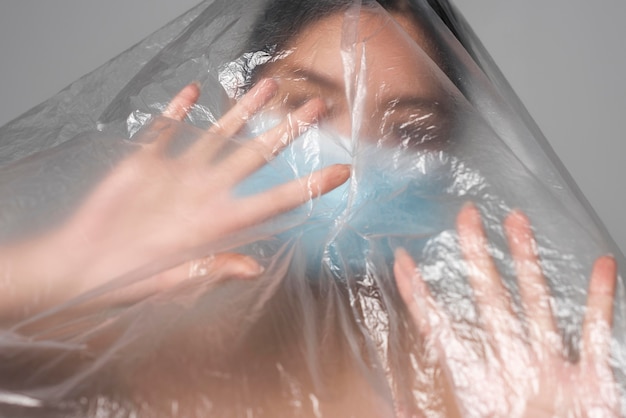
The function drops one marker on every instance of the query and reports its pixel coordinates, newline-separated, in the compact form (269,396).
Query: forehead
(387,53)
(373,68)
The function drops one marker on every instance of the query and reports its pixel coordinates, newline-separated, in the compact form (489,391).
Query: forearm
(34,275)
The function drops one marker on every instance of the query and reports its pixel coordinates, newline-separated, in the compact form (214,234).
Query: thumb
(212,270)
(225,266)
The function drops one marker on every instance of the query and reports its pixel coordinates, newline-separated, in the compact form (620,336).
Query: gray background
(565,58)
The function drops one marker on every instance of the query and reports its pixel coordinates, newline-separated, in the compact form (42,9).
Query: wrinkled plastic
(426,124)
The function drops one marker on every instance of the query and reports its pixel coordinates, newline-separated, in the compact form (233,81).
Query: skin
(395,99)
(384,48)
(408,87)
(120,212)
(187,187)
(528,373)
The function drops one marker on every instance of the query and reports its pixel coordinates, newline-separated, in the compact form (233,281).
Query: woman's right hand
(152,206)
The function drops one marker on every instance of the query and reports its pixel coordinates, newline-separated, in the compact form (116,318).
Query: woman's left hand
(521,368)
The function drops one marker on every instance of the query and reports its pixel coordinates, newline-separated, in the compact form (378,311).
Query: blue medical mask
(394,194)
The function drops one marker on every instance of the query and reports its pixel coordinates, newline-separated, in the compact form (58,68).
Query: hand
(520,371)
(152,206)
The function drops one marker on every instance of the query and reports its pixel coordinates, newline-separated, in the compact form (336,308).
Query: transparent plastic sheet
(155,266)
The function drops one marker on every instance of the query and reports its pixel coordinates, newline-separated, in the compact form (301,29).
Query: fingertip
(191,92)
(249,268)
(413,290)
(468,215)
(404,265)
(604,276)
(181,103)
(404,269)
(402,256)
(196,86)
(268,83)
(518,230)
(237,266)
(469,224)
(326,180)
(400,252)
(516,219)
(265,89)
(607,262)
(343,172)
(469,206)
(314,109)
(599,311)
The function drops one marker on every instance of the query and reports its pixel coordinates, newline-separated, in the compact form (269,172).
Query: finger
(599,312)
(534,291)
(178,108)
(492,298)
(431,321)
(258,208)
(413,290)
(211,270)
(257,152)
(244,109)
(224,266)
(233,121)
(162,131)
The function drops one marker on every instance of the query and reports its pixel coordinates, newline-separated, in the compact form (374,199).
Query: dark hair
(282,19)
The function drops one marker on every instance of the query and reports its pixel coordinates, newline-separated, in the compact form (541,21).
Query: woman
(367,363)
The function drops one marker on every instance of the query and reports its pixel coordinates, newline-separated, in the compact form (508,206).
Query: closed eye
(407,125)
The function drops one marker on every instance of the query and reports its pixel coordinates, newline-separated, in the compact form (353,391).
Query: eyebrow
(317,78)
(414,102)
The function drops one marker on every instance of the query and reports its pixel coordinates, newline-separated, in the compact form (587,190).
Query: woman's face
(380,85)
(375,74)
